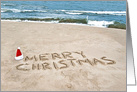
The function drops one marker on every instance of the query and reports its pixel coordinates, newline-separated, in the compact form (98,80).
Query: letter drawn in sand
(96,60)
(80,61)
(46,66)
(35,58)
(84,61)
(111,61)
(81,53)
(43,56)
(18,67)
(62,62)
(55,55)
(37,66)
(30,58)
(55,65)
(67,55)
(88,61)
(71,61)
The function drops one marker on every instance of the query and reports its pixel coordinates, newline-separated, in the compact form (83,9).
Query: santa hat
(19,55)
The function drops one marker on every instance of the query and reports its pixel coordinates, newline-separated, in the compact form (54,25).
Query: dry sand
(40,38)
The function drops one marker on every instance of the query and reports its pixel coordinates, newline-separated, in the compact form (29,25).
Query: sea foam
(96,12)
(100,23)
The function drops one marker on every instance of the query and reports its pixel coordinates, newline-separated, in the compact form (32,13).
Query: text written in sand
(60,61)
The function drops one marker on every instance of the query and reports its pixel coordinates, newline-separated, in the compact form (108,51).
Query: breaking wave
(105,24)
(96,12)
(22,11)
(100,23)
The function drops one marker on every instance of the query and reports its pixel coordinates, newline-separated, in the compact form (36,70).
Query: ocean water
(95,13)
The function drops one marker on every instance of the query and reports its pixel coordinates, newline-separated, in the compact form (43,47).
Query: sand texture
(64,57)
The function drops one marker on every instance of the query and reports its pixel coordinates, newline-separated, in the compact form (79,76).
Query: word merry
(53,56)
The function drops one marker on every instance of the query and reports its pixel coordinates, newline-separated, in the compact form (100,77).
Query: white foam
(95,12)
(3,10)
(17,10)
(73,13)
(8,4)
(107,12)
(13,10)
(33,11)
(100,23)
(32,21)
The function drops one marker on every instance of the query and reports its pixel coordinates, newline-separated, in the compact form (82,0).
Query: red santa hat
(19,55)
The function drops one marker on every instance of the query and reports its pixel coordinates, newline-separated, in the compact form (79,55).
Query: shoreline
(57,23)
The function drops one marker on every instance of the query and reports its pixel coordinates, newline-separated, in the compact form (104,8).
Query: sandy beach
(65,57)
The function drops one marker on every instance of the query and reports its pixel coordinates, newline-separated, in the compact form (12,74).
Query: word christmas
(60,61)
